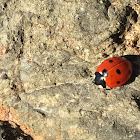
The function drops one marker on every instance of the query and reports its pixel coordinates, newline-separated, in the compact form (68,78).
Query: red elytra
(113,72)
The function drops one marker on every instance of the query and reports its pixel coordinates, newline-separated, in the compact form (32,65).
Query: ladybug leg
(108,88)
(104,84)
(106,91)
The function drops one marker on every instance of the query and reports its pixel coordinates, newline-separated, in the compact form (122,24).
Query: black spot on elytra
(110,61)
(104,70)
(118,71)
(118,82)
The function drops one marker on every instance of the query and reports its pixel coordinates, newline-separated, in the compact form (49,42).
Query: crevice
(136,98)
(125,24)
(12,133)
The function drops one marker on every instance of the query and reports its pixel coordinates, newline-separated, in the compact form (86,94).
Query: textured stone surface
(49,51)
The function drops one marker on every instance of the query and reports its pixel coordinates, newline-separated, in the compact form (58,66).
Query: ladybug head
(99,79)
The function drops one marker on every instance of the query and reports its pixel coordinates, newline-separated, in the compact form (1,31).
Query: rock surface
(49,52)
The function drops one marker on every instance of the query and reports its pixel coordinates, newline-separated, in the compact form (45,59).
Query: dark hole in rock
(8,132)
(137,100)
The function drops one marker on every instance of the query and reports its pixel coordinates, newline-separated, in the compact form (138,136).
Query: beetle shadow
(135,61)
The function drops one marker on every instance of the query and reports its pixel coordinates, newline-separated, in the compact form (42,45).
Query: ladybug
(113,72)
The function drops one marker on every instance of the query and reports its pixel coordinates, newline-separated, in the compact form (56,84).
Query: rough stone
(49,52)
